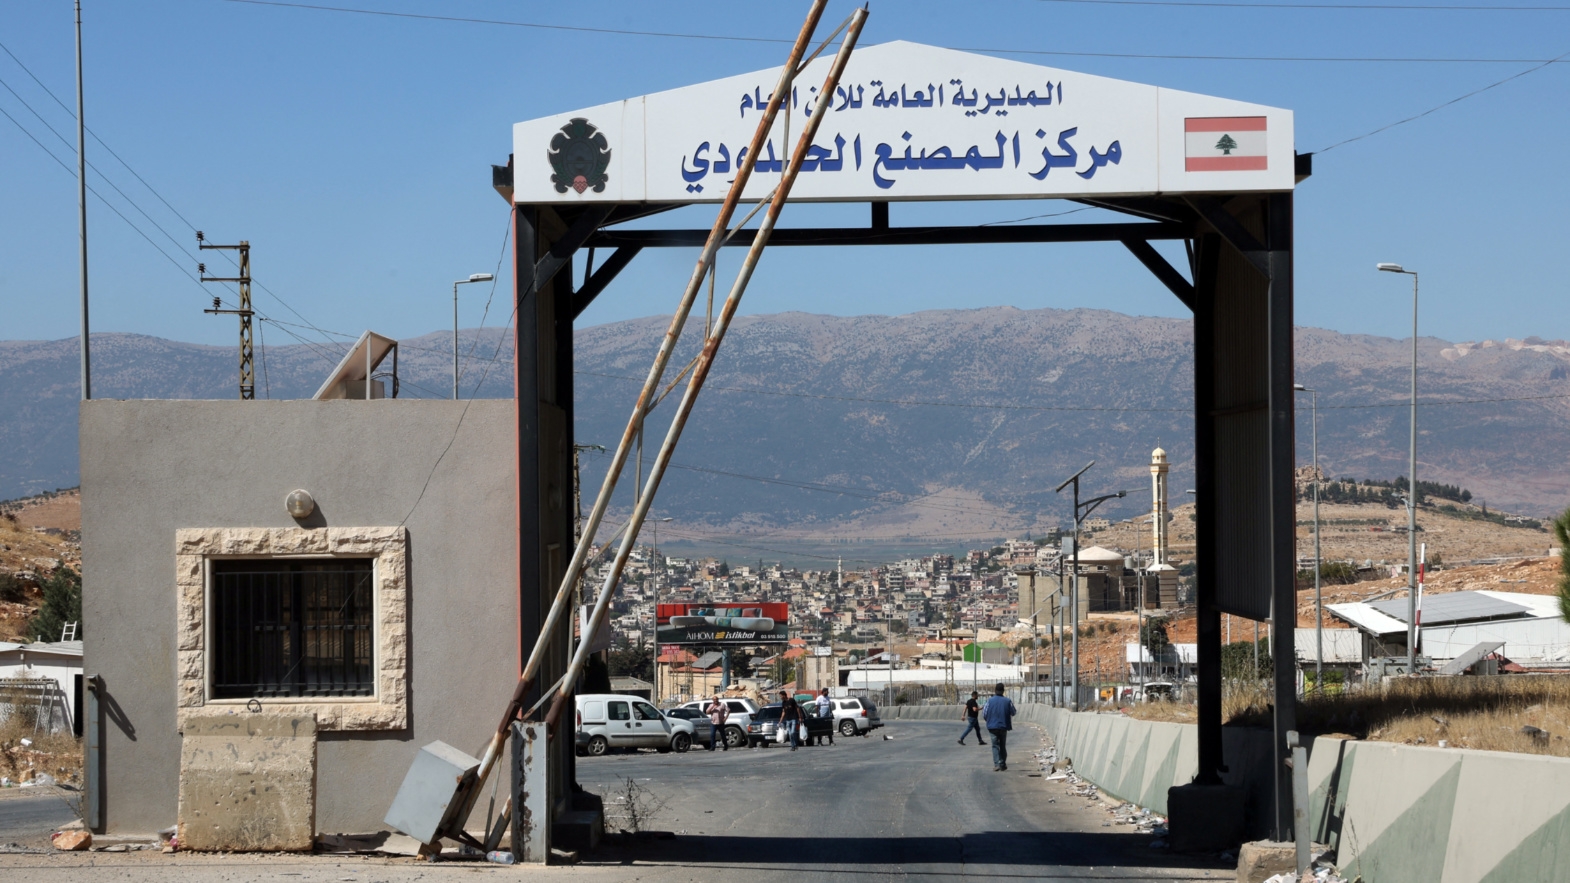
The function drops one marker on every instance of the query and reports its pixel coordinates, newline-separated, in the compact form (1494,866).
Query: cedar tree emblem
(579,154)
(1226,145)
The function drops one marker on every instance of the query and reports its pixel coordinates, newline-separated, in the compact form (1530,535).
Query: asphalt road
(30,820)
(915,807)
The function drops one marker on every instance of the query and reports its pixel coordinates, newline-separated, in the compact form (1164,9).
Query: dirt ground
(25,754)
(62,511)
(30,554)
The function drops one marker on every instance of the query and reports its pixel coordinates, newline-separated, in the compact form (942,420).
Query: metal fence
(36,703)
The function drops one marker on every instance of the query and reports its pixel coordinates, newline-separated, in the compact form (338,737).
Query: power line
(744,39)
(107,204)
(1438,107)
(100,141)
(125,195)
(159,196)
(461,415)
(106,178)
(495,280)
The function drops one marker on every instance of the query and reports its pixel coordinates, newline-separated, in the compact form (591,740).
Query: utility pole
(81,203)
(247,358)
(1319,601)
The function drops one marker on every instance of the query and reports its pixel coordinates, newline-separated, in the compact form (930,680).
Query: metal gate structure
(1234,217)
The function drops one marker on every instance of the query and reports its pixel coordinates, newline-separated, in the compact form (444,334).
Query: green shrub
(62,604)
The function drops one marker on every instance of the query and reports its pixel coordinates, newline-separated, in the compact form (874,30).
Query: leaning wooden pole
(717,236)
(705,363)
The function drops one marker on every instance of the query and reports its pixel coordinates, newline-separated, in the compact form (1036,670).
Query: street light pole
(656,628)
(1411,489)
(1319,605)
(81,205)
(476,277)
(1088,506)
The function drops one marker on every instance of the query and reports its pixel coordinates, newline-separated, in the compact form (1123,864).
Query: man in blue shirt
(999,716)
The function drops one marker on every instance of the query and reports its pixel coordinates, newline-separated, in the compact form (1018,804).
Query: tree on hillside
(1154,635)
(636,661)
(62,604)
(1562,531)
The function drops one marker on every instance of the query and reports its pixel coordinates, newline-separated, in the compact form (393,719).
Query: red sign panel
(746,622)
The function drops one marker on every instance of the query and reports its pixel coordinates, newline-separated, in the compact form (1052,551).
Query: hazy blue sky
(353,151)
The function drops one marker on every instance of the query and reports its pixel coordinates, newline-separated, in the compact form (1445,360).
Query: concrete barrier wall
(1394,813)
(1404,814)
(1131,759)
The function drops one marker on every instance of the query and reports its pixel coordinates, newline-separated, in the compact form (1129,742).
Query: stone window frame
(387,547)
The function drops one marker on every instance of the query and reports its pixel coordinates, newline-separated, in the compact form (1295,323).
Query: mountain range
(950,424)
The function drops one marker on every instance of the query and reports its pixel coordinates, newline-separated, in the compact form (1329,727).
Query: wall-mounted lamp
(299,504)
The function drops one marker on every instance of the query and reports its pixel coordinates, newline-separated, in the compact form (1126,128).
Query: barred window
(291,628)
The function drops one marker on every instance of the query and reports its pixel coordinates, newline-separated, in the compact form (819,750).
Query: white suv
(741,712)
(611,720)
(855,716)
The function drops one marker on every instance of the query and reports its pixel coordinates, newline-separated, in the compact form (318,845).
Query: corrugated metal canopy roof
(1454,607)
(1365,617)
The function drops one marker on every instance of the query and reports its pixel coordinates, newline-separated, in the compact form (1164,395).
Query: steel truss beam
(1116,232)
(602,277)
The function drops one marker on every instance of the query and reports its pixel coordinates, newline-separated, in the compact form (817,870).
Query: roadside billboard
(738,623)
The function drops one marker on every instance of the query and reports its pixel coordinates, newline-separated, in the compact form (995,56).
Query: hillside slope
(955,423)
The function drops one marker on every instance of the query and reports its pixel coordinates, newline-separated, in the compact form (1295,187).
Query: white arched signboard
(911,122)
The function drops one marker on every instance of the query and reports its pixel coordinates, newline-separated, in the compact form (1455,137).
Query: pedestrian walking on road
(998,714)
(718,712)
(825,711)
(791,719)
(969,716)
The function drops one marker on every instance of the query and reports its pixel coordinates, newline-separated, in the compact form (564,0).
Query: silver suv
(856,716)
(610,720)
(741,712)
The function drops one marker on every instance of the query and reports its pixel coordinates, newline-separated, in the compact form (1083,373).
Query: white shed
(41,675)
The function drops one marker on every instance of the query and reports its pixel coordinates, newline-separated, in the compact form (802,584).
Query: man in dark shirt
(790,719)
(998,714)
(972,710)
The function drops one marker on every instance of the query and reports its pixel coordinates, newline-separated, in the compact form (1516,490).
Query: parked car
(741,712)
(701,725)
(764,727)
(611,720)
(856,715)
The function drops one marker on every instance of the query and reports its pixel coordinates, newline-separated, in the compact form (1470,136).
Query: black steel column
(1283,499)
(1206,253)
(526,246)
(543,378)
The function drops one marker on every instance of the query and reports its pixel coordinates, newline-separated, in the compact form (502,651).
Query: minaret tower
(1158,506)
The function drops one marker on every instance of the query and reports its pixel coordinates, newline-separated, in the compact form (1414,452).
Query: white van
(610,720)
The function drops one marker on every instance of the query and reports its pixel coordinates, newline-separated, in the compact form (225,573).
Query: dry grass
(1485,713)
(58,754)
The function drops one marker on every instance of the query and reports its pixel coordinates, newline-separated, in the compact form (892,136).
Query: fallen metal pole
(650,386)
(705,362)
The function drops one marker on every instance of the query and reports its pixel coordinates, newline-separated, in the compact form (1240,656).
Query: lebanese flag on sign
(1224,144)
